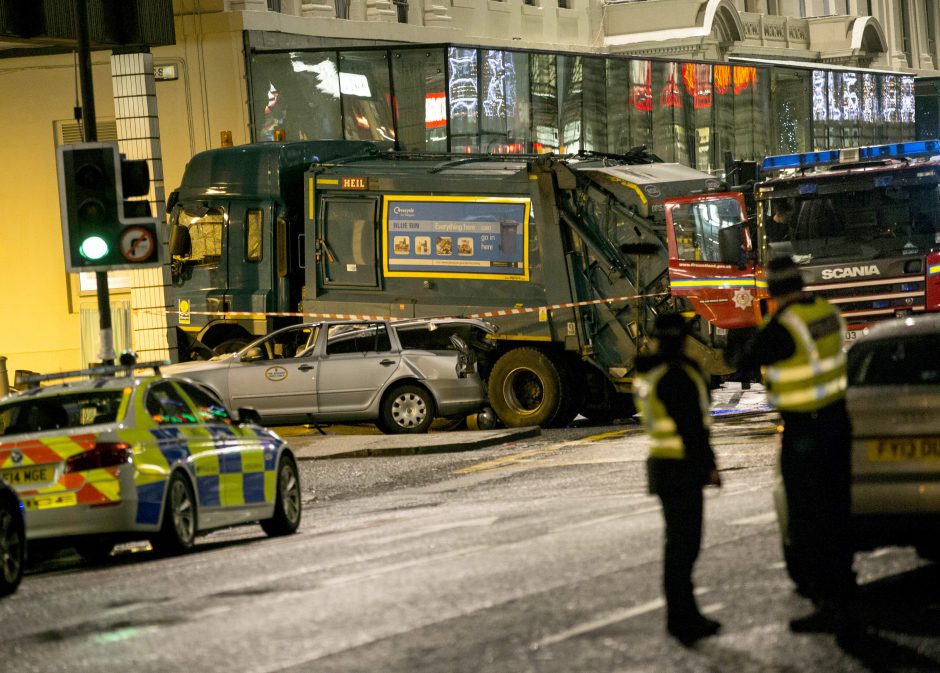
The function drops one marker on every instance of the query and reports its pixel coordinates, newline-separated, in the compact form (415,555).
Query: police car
(121,453)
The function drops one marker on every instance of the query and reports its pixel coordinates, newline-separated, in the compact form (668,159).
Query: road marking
(435,528)
(601,622)
(757,520)
(614,617)
(373,573)
(613,434)
(509,460)
(554,448)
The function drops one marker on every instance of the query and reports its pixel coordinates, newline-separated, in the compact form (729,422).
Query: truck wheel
(178,532)
(525,388)
(230,346)
(569,400)
(406,409)
(287,505)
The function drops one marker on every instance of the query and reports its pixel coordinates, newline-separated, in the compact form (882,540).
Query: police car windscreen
(60,412)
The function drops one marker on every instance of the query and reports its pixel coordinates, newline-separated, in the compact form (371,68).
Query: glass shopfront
(463,99)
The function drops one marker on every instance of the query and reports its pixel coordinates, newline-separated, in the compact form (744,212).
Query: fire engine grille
(863,303)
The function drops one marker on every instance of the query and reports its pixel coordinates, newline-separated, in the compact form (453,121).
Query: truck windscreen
(853,225)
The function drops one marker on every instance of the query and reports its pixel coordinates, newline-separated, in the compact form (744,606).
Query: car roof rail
(91,372)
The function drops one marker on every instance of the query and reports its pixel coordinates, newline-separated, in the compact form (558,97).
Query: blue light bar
(804,160)
(916,148)
(919,148)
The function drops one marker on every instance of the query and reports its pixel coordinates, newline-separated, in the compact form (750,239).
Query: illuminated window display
(420,99)
(617,104)
(463,94)
(446,98)
(543,78)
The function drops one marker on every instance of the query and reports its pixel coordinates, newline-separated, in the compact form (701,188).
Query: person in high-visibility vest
(799,350)
(673,399)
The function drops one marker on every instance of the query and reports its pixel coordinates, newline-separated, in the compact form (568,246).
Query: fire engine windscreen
(702,230)
(853,225)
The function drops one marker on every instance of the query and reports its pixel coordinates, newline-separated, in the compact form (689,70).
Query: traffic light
(100,230)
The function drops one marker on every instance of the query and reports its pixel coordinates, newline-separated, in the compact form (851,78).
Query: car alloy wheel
(12,548)
(287,507)
(178,532)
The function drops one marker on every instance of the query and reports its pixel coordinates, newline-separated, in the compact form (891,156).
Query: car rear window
(67,411)
(905,361)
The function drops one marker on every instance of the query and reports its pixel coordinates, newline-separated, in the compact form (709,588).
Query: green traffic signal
(93,248)
(101,230)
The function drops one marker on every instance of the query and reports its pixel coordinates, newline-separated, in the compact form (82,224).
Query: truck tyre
(287,505)
(568,404)
(178,532)
(525,388)
(406,409)
(230,346)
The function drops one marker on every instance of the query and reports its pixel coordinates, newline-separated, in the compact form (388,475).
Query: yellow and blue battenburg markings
(227,471)
(716,282)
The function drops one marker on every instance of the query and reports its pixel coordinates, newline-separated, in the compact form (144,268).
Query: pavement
(343,441)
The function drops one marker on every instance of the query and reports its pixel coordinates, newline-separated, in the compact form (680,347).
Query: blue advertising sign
(456,237)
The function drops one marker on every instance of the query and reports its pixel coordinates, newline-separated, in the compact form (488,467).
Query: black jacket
(680,396)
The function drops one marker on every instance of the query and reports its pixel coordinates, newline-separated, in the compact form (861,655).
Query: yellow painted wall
(40,326)
(39,331)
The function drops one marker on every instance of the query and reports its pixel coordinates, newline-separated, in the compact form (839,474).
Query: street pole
(89,125)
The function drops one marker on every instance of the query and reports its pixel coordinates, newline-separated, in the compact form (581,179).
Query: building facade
(460,75)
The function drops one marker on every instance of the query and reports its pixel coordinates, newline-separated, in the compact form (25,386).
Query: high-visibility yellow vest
(815,375)
(665,440)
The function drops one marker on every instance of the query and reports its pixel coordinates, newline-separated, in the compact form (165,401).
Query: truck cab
(862,224)
(237,241)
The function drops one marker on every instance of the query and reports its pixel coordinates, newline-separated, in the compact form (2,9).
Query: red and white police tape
(483,314)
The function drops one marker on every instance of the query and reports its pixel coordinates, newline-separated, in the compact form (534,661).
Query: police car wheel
(12,547)
(178,532)
(406,409)
(287,505)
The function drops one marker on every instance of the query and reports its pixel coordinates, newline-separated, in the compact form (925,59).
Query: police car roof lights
(906,150)
(32,382)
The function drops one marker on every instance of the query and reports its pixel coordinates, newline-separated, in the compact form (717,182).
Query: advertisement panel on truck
(482,238)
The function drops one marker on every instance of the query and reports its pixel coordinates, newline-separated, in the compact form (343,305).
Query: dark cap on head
(670,326)
(783,276)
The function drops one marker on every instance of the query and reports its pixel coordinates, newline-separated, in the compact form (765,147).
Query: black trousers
(815,462)
(682,511)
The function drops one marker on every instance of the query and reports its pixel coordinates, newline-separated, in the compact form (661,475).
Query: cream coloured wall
(41,300)
(41,325)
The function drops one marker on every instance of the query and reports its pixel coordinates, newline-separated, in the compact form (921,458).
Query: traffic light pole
(89,124)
